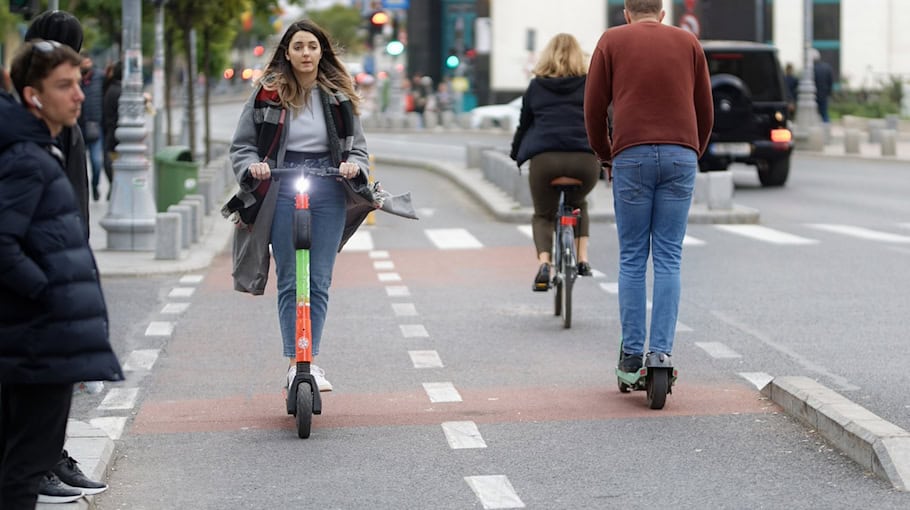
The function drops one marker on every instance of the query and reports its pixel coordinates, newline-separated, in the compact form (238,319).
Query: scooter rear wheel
(304,410)
(623,387)
(657,387)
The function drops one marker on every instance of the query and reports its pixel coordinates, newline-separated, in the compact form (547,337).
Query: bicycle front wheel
(567,271)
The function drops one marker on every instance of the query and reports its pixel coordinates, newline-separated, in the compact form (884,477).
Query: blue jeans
(327,206)
(652,192)
(96,156)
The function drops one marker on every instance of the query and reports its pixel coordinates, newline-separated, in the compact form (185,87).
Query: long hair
(331,75)
(560,58)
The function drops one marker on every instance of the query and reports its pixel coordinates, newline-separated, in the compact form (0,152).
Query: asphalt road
(542,423)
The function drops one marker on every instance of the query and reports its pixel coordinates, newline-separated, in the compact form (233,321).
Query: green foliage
(342,23)
(875,103)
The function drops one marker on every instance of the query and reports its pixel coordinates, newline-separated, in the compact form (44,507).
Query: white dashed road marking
(425,359)
(191,279)
(174,308)
(362,240)
(718,350)
(159,328)
(111,425)
(379,254)
(383,265)
(404,309)
(862,233)
(453,239)
(181,292)
(527,230)
(397,291)
(441,392)
(758,379)
(462,435)
(413,330)
(766,234)
(389,277)
(692,241)
(610,287)
(119,398)
(142,359)
(494,492)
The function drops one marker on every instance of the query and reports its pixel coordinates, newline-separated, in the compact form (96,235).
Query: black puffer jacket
(552,118)
(53,319)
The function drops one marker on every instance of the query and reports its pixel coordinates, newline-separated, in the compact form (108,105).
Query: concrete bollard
(816,139)
(720,190)
(430,120)
(448,120)
(167,236)
(201,198)
(474,153)
(875,130)
(195,218)
(892,121)
(700,195)
(889,142)
(186,218)
(851,141)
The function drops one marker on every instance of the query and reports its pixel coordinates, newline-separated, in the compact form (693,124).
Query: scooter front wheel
(304,410)
(658,386)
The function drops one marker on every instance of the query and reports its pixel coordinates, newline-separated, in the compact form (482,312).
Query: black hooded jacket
(552,118)
(53,318)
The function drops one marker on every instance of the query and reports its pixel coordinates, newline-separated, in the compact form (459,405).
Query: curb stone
(93,450)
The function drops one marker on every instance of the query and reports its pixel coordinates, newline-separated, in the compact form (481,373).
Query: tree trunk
(206,70)
(190,111)
(168,77)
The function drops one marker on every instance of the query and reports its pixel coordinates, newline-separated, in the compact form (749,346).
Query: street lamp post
(158,76)
(130,220)
(806,108)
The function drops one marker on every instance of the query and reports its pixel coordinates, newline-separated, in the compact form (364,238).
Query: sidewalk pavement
(92,447)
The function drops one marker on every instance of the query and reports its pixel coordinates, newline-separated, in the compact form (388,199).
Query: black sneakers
(630,362)
(69,473)
(52,490)
(584,269)
(542,280)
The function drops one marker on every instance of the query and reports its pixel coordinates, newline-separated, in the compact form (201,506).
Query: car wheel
(774,172)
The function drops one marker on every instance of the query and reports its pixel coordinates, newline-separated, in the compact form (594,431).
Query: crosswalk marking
(397,291)
(389,277)
(159,328)
(441,392)
(413,331)
(404,309)
(383,265)
(111,425)
(141,359)
(181,292)
(610,287)
(758,379)
(453,239)
(379,254)
(462,435)
(425,359)
(119,398)
(862,233)
(718,350)
(362,240)
(191,279)
(494,492)
(766,234)
(174,308)
(692,241)
(527,230)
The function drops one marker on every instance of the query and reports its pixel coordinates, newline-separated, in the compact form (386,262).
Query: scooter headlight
(302,185)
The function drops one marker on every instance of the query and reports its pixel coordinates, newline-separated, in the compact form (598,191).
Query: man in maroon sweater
(656,78)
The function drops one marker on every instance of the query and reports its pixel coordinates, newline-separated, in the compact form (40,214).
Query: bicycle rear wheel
(568,271)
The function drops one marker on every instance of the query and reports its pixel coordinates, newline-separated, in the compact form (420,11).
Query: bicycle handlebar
(305,171)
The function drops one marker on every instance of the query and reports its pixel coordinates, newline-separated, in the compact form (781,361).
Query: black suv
(750,110)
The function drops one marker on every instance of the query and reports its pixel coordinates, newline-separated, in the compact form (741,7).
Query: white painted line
(598,274)
(610,287)
(379,254)
(160,328)
(111,425)
(383,265)
(389,277)
(766,234)
(426,212)
(527,230)
(362,240)
(462,435)
(494,492)
(718,350)
(397,291)
(119,398)
(692,241)
(141,359)
(682,328)
(191,279)
(453,239)
(425,359)
(440,392)
(404,309)
(413,330)
(181,292)
(174,308)
(758,379)
(862,233)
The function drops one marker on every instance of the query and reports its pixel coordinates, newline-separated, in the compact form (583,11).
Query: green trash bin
(176,176)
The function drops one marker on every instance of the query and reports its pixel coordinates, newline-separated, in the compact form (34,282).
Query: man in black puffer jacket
(53,318)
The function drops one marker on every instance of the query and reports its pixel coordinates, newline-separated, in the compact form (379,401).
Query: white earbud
(37,103)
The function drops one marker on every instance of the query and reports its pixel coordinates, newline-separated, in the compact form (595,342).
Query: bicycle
(565,263)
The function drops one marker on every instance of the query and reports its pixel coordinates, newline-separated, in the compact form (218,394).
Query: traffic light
(394,48)
(27,8)
(452,61)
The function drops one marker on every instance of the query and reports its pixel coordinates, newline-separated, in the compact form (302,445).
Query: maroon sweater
(656,77)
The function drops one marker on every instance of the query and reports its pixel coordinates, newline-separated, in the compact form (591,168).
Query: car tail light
(781,135)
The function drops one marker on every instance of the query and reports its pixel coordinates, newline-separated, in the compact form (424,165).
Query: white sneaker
(317,373)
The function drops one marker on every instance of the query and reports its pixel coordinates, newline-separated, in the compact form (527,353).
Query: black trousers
(547,166)
(32,432)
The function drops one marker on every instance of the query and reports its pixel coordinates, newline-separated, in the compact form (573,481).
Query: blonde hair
(332,74)
(561,57)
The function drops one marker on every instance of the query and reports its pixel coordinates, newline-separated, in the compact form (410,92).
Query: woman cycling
(303,113)
(551,133)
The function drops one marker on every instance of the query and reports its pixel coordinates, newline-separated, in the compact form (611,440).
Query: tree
(342,23)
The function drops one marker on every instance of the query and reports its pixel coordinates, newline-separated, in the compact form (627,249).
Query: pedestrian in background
(53,318)
(551,134)
(90,120)
(656,77)
(792,83)
(110,115)
(303,113)
(824,84)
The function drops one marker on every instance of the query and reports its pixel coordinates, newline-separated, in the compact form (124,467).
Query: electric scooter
(656,378)
(303,400)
